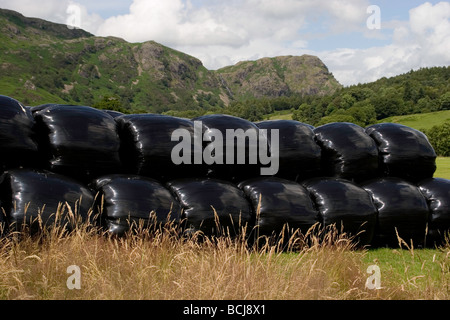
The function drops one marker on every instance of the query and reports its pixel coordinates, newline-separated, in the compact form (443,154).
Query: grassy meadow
(280,115)
(421,121)
(417,121)
(162,265)
(443,168)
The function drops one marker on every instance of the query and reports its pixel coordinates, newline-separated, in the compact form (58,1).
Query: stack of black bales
(70,162)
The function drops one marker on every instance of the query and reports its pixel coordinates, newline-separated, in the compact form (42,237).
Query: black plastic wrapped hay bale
(17,139)
(404,152)
(347,151)
(78,141)
(212,206)
(299,154)
(240,160)
(279,203)
(28,196)
(147,145)
(132,202)
(437,193)
(402,211)
(342,203)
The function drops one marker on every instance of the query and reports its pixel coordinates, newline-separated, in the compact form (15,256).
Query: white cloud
(222,33)
(52,10)
(85,20)
(173,23)
(55,11)
(422,42)
(230,31)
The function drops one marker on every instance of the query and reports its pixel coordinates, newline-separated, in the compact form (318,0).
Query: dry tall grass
(163,264)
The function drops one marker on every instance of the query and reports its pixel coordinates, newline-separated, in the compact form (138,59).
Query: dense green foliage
(439,137)
(258,109)
(421,91)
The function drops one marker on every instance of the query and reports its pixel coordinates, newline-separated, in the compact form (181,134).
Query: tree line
(421,91)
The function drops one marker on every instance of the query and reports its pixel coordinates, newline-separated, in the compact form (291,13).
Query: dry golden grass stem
(159,261)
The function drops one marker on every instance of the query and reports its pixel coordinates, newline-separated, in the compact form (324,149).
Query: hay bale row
(86,143)
(375,212)
(374,183)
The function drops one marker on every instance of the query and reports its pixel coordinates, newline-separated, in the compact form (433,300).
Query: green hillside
(422,91)
(44,62)
(421,121)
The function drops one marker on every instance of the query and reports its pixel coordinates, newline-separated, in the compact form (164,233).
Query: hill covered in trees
(421,91)
(44,62)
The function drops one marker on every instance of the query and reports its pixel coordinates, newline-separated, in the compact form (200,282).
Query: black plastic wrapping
(347,151)
(41,107)
(113,113)
(343,203)
(299,154)
(17,139)
(437,193)
(128,202)
(28,194)
(78,141)
(404,152)
(279,203)
(226,170)
(146,146)
(212,206)
(402,210)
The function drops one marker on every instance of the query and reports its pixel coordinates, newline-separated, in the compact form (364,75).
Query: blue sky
(107,9)
(412,34)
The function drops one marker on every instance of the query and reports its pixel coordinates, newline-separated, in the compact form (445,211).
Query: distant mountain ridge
(45,62)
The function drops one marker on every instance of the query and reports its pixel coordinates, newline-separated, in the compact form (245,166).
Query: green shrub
(439,137)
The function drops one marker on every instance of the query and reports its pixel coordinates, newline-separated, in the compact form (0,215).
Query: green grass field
(412,270)
(417,121)
(443,168)
(280,115)
(421,120)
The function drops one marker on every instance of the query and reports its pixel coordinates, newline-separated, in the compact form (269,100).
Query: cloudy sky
(359,40)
